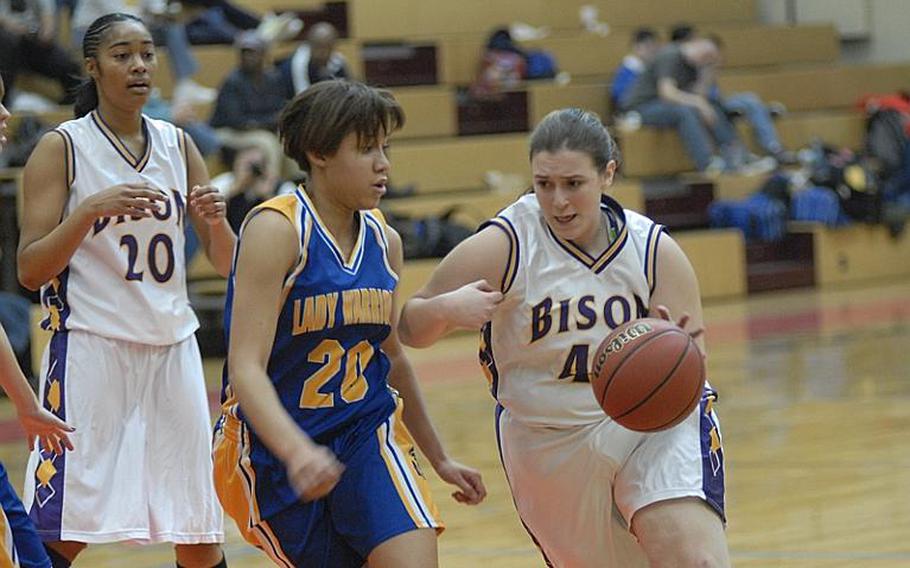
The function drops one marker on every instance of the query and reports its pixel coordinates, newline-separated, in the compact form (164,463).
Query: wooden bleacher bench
(654,152)
(818,88)
(457,163)
(404,19)
(856,252)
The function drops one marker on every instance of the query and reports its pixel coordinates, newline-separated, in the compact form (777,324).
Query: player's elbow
(28,276)
(408,335)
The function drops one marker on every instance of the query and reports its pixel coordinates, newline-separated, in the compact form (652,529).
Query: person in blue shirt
(314,454)
(645,45)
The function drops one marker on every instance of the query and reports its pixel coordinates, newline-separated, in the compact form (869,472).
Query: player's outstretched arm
(471,489)
(462,292)
(267,251)
(38,423)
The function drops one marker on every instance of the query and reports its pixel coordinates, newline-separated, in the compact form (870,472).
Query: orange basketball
(648,374)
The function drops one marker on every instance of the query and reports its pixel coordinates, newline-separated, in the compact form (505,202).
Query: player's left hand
(208,203)
(52,432)
(471,490)
(664,314)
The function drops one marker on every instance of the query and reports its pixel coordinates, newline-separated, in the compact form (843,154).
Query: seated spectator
(27,43)
(246,185)
(672,92)
(645,45)
(249,102)
(218,22)
(184,115)
(314,60)
(745,104)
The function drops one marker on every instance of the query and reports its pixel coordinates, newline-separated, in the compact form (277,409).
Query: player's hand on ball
(471,489)
(208,203)
(473,304)
(313,472)
(664,313)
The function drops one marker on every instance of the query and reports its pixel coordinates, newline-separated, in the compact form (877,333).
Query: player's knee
(62,554)
(200,556)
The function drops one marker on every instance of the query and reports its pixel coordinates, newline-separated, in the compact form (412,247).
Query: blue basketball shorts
(381,494)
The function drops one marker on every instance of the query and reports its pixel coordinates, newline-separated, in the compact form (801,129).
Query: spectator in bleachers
(645,45)
(249,102)
(672,92)
(314,60)
(28,43)
(167,30)
(183,114)
(746,104)
(246,184)
(218,22)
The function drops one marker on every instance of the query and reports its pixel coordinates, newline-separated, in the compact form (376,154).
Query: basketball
(648,374)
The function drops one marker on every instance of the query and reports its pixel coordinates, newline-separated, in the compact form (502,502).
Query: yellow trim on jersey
(396,446)
(508,276)
(290,207)
(358,243)
(611,251)
(379,216)
(235,483)
(382,236)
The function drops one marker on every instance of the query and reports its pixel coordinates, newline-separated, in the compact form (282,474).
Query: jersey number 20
(132,256)
(332,356)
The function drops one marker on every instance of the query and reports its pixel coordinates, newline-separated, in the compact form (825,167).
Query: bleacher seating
(796,65)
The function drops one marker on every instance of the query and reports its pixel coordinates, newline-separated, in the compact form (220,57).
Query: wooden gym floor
(815,408)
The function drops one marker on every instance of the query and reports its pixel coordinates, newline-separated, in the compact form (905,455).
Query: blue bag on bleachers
(759,217)
(819,204)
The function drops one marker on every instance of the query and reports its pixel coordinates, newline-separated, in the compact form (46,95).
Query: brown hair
(317,119)
(577,130)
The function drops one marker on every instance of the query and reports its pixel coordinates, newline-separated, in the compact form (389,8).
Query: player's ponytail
(87,92)
(86,98)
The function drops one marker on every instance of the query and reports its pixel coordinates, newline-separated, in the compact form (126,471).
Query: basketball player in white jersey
(19,543)
(107,196)
(547,279)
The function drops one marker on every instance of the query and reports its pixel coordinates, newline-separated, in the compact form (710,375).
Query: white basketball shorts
(567,481)
(142,468)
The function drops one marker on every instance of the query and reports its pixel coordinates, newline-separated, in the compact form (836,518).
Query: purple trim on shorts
(712,461)
(47,507)
(54,301)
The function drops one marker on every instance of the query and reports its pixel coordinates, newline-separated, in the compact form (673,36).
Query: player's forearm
(220,249)
(424,321)
(416,418)
(265,413)
(12,380)
(46,257)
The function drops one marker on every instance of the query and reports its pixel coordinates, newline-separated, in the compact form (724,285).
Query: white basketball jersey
(127,280)
(559,302)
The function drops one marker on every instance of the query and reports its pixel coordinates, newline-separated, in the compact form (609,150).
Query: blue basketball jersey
(326,363)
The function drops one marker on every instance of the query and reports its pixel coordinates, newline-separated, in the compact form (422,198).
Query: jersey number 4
(332,356)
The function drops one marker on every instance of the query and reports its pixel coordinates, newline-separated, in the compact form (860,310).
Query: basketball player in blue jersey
(545,281)
(107,196)
(314,457)
(20,545)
